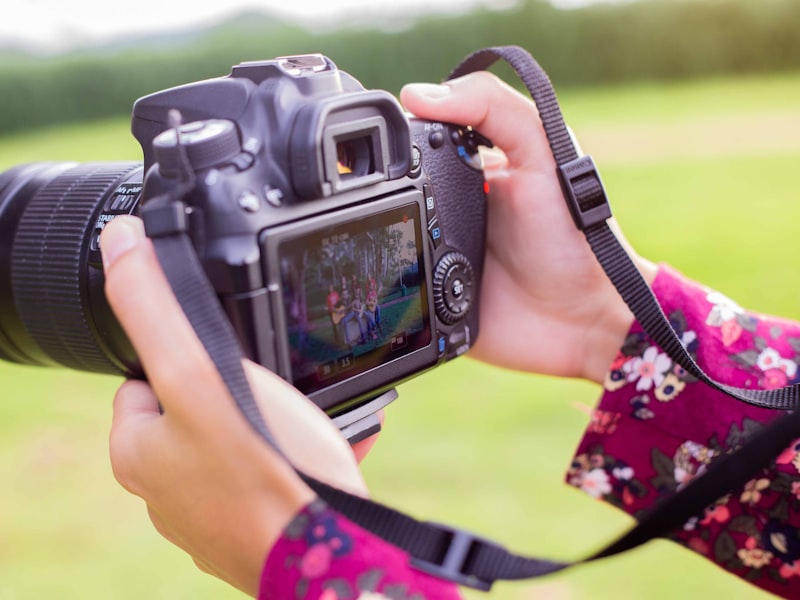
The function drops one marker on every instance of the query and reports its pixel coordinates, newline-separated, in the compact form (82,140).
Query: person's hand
(546,305)
(211,485)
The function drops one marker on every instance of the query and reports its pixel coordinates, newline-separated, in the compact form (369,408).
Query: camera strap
(587,201)
(447,552)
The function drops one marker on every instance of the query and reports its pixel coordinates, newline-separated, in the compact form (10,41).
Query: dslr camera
(344,240)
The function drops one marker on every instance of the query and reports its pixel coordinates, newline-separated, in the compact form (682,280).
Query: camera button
(416,161)
(453,287)
(430,202)
(243,161)
(274,196)
(436,140)
(94,245)
(459,342)
(249,202)
(435,231)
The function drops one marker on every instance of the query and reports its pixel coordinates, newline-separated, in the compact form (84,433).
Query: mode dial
(207,143)
(453,287)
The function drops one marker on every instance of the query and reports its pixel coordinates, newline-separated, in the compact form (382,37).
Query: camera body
(344,240)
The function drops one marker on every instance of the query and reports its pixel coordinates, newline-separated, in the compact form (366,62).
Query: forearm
(656,428)
(323,555)
(610,324)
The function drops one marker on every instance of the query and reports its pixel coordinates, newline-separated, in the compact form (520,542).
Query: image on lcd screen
(354,296)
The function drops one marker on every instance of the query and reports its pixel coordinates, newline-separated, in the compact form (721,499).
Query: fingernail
(493,158)
(430,90)
(120,236)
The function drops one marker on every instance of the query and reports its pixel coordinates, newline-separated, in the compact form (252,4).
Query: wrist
(612,324)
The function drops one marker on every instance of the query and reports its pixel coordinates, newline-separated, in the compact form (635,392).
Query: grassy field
(700,175)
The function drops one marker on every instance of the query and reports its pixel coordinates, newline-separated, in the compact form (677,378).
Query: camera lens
(52,306)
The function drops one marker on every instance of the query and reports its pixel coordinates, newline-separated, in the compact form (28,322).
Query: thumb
(138,292)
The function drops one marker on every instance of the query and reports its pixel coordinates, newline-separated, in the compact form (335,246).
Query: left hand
(211,485)
(546,304)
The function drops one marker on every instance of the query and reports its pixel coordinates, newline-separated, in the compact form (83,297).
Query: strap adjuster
(451,564)
(584,192)
(161,220)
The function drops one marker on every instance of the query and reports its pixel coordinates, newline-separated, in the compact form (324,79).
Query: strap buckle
(584,192)
(161,220)
(453,560)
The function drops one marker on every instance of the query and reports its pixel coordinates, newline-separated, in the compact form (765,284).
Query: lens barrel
(52,306)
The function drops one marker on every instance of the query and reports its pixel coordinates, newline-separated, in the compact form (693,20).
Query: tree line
(606,43)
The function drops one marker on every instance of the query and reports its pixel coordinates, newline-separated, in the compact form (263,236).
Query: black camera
(344,240)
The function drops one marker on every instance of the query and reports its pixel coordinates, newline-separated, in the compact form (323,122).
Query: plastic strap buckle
(460,550)
(584,192)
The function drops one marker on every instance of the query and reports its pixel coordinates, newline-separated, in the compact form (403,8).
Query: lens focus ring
(48,268)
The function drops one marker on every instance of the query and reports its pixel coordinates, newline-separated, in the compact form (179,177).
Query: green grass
(657,102)
(101,140)
(466,444)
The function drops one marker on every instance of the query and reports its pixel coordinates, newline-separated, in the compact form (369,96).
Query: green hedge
(648,39)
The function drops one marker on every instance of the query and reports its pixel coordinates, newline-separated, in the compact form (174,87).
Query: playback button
(435,231)
(434,228)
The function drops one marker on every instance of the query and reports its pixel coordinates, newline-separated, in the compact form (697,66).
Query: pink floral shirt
(324,556)
(654,429)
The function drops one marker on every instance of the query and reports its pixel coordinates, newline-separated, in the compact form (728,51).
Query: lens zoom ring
(48,264)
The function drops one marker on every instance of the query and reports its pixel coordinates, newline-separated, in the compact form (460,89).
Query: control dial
(207,143)
(453,287)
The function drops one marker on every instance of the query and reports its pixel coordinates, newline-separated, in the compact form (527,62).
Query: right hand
(546,304)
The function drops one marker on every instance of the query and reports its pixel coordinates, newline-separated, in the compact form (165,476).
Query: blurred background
(691,109)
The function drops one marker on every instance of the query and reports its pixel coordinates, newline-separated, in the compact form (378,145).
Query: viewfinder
(356,153)
(355,157)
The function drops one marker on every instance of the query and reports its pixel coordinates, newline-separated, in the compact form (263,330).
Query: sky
(57,25)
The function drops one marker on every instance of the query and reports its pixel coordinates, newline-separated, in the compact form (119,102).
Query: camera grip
(450,159)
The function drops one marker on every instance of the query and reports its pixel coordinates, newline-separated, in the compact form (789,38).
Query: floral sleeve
(656,428)
(324,556)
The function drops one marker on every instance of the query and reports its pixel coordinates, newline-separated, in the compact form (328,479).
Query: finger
(204,567)
(362,448)
(134,400)
(160,526)
(135,409)
(143,302)
(305,433)
(488,104)
(183,376)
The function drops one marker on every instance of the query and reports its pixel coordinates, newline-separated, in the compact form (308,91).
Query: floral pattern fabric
(324,556)
(656,428)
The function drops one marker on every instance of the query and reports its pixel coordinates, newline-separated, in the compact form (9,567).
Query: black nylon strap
(538,85)
(639,297)
(609,252)
(429,545)
(179,261)
(452,553)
